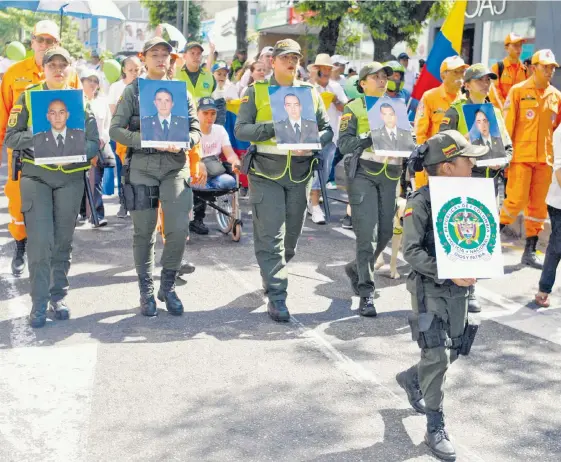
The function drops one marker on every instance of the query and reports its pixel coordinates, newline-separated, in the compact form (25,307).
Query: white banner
(466,228)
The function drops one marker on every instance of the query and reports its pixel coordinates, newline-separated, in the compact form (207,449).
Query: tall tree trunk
(383,49)
(328,36)
(241,26)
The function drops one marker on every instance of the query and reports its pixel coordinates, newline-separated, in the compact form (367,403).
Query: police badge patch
(13,120)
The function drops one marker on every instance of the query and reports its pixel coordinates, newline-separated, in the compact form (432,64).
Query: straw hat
(322,59)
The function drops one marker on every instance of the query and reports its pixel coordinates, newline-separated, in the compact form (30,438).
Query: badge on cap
(450,150)
(284,44)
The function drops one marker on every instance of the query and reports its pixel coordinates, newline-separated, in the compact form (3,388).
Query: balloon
(350,88)
(15,51)
(112,70)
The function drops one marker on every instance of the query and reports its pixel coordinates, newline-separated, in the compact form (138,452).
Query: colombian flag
(239,147)
(447,43)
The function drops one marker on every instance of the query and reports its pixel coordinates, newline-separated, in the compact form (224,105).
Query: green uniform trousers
(50,202)
(450,304)
(372,199)
(176,198)
(278,209)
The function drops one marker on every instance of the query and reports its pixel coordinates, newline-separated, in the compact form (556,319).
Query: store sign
(272,18)
(495,8)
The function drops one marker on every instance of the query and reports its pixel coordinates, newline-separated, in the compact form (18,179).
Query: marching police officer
(279,182)
(156,175)
(51,194)
(371,185)
(439,322)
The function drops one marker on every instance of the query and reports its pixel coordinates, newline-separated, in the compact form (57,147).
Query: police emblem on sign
(466,229)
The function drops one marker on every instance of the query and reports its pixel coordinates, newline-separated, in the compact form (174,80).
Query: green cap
(286,46)
(149,44)
(478,71)
(56,51)
(449,144)
(372,68)
(190,45)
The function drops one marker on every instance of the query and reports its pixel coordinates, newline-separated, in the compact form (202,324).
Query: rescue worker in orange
(436,102)
(17,78)
(532,112)
(510,70)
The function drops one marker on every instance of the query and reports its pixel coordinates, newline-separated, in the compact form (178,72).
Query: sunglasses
(48,40)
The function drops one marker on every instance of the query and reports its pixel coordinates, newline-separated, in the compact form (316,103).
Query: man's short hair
(387,106)
(291,94)
(164,90)
(480,111)
(58,101)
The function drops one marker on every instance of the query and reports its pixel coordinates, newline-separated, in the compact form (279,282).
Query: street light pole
(186,19)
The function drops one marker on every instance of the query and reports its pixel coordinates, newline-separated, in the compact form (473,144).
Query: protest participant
(200,82)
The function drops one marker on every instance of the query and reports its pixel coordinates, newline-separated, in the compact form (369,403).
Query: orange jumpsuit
(431,111)
(513,73)
(17,78)
(531,117)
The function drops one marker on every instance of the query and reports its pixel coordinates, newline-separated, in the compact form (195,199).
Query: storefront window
(494,33)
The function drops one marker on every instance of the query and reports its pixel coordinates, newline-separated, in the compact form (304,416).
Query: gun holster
(351,164)
(468,337)
(16,164)
(247,160)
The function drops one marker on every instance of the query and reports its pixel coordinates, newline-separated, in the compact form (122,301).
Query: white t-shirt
(229,92)
(115,91)
(332,112)
(554,194)
(213,142)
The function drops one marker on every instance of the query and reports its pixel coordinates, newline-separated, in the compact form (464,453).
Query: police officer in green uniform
(200,82)
(439,322)
(279,181)
(50,194)
(371,185)
(477,85)
(155,176)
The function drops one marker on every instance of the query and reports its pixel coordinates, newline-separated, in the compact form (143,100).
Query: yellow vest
(68,168)
(203,88)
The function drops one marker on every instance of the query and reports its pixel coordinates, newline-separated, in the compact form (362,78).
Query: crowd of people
(157,183)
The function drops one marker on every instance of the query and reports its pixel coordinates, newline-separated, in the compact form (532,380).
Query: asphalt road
(225,383)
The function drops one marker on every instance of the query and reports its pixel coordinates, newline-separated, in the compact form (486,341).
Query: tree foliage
(13,21)
(162,11)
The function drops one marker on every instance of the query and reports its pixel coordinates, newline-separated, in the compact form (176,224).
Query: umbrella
(77,8)
(176,35)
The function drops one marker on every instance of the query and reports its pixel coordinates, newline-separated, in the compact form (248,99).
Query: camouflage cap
(190,45)
(449,144)
(478,71)
(149,44)
(56,51)
(287,46)
(372,68)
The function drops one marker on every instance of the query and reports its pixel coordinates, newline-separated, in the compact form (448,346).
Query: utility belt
(17,164)
(137,197)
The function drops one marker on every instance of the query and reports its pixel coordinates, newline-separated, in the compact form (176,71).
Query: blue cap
(206,103)
(219,65)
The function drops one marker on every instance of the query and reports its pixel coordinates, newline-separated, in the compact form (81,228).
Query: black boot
(350,271)
(148,305)
(19,261)
(167,292)
(197,226)
(473,303)
(409,381)
(366,307)
(38,315)
(278,311)
(436,437)
(186,268)
(61,310)
(529,256)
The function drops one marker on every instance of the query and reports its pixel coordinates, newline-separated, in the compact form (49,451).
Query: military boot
(529,257)
(278,311)
(19,261)
(61,310)
(148,305)
(436,437)
(350,271)
(473,303)
(366,307)
(167,292)
(38,315)
(409,381)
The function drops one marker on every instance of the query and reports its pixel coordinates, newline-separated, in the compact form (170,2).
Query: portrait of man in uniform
(167,122)
(484,131)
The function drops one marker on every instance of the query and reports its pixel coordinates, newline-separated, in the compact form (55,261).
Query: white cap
(47,27)
(338,59)
(266,51)
(88,72)
(452,63)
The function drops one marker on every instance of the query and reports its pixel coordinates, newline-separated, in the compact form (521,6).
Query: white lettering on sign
(496,8)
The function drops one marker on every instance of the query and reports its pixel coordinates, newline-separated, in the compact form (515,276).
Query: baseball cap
(287,46)
(478,71)
(452,63)
(403,56)
(219,65)
(339,59)
(266,51)
(149,44)
(56,51)
(47,27)
(513,38)
(544,57)
(205,104)
(190,45)
(87,73)
(449,144)
(372,68)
